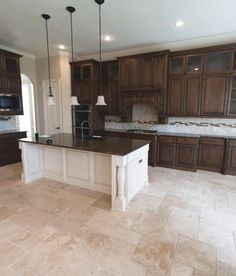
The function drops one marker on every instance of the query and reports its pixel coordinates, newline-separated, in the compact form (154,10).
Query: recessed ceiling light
(179,23)
(62,47)
(108,37)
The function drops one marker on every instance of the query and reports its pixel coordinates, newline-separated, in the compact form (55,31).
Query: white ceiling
(133,23)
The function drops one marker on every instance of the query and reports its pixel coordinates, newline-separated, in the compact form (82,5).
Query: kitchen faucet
(82,127)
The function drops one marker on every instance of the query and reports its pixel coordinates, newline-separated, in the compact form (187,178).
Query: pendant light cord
(49,73)
(71,38)
(100,51)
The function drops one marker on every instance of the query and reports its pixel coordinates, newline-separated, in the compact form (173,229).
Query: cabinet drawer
(213,141)
(167,139)
(232,143)
(186,140)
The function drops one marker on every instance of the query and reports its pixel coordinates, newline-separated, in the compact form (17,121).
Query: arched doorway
(26,122)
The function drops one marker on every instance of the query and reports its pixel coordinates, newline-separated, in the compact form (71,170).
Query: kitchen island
(109,165)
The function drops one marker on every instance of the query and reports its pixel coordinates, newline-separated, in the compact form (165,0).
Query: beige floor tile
(103,203)
(114,255)
(228,220)
(72,222)
(227,256)
(184,222)
(134,269)
(7,230)
(9,254)
(33,219)
(73,265)
(197,272)
(125,235)
(199,255)
(174,201)
(145,203)
(179,269)
(145,224)
(46,255)
(27,241)
(215,235)
(6,212)
(103,221)
(156,251)
(232,200)
(225,269)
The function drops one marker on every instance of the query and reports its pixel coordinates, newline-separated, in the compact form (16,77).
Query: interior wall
(60,69)
(42,74)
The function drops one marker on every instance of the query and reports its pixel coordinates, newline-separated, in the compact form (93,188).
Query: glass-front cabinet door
(194,64)
(177,65)
(232,97)
(218,61)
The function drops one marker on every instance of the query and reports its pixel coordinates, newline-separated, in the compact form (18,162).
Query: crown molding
(3,47)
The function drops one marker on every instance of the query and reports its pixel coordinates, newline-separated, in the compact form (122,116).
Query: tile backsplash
(7,123)
(202,126)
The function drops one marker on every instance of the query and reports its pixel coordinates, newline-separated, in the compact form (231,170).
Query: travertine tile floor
(182,224)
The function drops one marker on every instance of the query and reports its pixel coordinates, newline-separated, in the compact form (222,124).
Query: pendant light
(51,100)
(73,99)
(100,100)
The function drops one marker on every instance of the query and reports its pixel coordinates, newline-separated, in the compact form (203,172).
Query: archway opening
(26,122)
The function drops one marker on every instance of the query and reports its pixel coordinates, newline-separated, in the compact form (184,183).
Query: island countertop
(106,145)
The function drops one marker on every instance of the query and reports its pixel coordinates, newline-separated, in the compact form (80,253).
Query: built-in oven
(11,103)
(82,120)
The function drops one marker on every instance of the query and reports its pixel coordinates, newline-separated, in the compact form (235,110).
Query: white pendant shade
(74,100)
(101,101)
(51,100)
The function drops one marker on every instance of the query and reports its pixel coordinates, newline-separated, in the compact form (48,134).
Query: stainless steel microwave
(10,102)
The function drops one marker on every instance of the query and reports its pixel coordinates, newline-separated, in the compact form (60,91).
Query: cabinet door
(13,84)
(186,157)
(177,65)
(12,65)
(147,73)
(166,154)
(2,83)
(192,96)
(194,64)
(159,71)
(214,95)
(175,93)
(124,74)
(210,155)
(231,110)
(231,162)
(135,73)
(85,92)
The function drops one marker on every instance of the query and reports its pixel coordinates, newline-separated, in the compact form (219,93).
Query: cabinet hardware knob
(140,161)
(57,127)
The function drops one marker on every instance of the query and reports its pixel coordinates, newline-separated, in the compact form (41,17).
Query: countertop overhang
(106,145)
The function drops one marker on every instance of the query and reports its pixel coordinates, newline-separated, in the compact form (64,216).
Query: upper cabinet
(143,72)
(218,62)
(10,84)
(208,82)
(84,80)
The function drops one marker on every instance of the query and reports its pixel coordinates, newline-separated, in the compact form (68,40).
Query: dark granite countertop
(192,135)
(2,132)
(106,145)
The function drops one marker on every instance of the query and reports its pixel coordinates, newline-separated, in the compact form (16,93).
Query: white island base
(120,176)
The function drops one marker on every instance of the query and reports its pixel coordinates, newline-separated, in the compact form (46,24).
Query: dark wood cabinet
(9,148)
(10,84)
(184,96)
(166,151)
(110,74)
(177,152)
(175,95)
(210,155)
(143,72)
(232,97)
(124,75)
(191,96)
(230,157)
(214,97)
(84,85)
(186,153)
